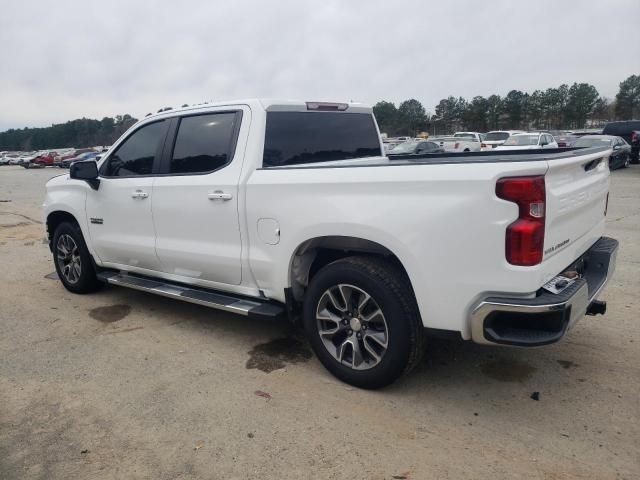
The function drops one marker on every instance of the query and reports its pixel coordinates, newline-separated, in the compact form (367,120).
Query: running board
(253,308)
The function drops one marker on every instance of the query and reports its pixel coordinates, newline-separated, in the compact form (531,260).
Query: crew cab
(281,208)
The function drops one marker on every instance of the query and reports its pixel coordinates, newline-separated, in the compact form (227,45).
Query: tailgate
(577,189)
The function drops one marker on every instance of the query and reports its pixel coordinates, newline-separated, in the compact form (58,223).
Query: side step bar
(253,308)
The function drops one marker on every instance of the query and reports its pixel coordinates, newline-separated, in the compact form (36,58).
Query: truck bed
(549,154)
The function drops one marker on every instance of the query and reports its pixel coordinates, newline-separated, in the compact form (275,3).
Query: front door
(195,200)
(119,211)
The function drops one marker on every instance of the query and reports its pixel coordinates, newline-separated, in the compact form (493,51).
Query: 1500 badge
(557,246)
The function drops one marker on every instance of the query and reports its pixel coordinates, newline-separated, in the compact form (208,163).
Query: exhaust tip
(597,307)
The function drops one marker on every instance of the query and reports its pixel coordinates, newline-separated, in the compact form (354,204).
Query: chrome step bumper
(545,318)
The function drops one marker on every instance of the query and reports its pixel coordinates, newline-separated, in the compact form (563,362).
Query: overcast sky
(61,60)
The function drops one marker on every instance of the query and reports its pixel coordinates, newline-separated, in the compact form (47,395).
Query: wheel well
(56,218)
(314,254)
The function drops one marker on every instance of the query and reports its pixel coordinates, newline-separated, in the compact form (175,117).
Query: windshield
(406,147)
(592,142)
(521,140)
(493,136)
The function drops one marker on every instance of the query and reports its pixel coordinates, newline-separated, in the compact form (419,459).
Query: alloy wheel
(352,326)
(68,258)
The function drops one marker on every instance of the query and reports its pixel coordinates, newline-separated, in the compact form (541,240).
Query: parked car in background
(416,148)
(529,141)
(69,154)
(626,129)
(457,144)
(635,146)
(83,156)
(496,138)
(6,157)
(44,159)
(25,157)
(621,154)
(557,133)
(566,141)
(479,137)
(587,131)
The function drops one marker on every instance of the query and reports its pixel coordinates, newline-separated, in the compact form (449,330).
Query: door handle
(219,195)
(139,194)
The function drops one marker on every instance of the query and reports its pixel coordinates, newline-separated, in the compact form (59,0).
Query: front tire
(72,259)
(362,321)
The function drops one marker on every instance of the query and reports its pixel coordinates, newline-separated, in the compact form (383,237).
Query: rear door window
(204,143)
(294,138)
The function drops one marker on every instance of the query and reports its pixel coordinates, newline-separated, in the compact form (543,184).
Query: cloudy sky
(67,59)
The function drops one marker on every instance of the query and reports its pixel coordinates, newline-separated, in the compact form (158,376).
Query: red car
(74,153)
(44,159)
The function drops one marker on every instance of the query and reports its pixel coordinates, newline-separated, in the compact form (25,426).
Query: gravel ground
(122,384)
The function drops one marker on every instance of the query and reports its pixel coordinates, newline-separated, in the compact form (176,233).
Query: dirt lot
(122,384)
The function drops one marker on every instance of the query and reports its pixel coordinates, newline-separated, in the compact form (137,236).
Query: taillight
(634,137)
(525,237)
(483,145)
(456,145)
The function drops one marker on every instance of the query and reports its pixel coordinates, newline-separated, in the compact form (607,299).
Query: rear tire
(72,259)
(358,345)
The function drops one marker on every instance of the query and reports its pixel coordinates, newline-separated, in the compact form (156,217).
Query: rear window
(294,138)
(493,136)
(592,142)
(621,128)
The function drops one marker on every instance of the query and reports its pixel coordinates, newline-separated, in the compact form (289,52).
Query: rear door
(577,189)
(195,199)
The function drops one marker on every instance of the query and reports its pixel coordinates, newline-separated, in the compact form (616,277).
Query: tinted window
(592,142)
(203,143)
(621,128)
(521,140)
(307,137)
(135,156)
(404,148)
(495,136)
(429,146)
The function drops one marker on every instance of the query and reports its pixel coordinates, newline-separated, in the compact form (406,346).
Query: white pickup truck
(275,209)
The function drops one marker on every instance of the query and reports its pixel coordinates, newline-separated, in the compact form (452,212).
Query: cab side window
(136,154)
(204,143)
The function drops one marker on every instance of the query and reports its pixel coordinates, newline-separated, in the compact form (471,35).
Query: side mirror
(86,170)
(617,147)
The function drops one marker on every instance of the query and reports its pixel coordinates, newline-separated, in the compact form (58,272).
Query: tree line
(82,132)
(565,107)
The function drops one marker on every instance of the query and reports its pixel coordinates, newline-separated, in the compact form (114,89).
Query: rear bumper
(545,319)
